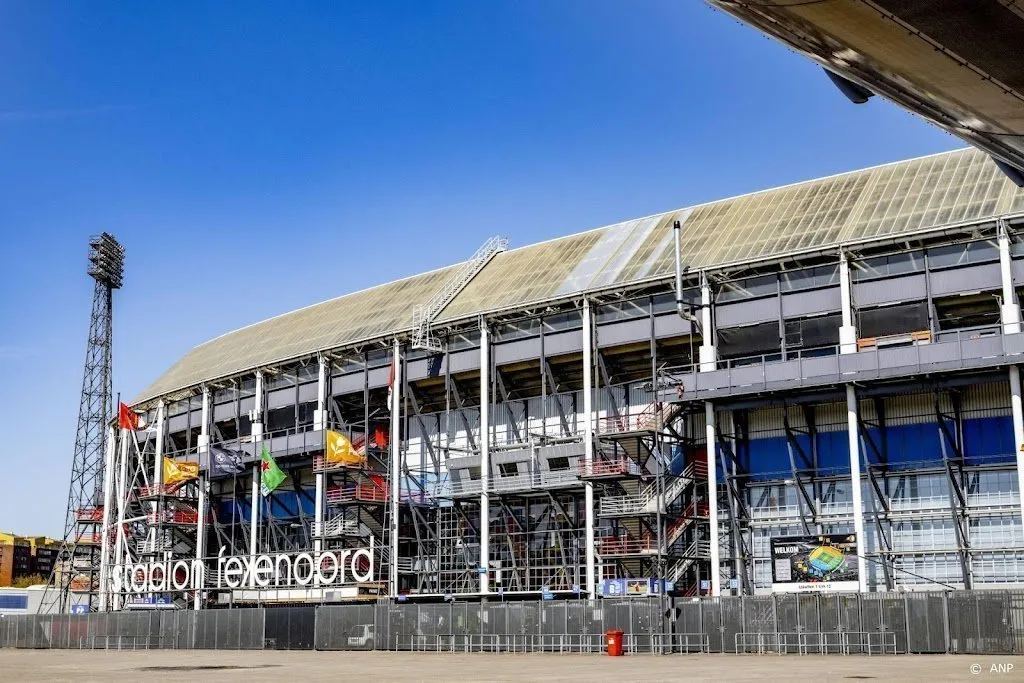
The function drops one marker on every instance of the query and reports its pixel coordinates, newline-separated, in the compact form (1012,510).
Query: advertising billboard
(631,588)
(814,563)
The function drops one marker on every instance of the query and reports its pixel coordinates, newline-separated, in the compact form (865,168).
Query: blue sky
(258,157)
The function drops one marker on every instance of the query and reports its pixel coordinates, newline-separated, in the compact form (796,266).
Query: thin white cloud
(16,353)
(30,115)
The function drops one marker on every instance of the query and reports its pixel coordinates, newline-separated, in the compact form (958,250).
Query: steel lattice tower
(77,566)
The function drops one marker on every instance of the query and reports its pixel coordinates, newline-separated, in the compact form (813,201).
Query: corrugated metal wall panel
(991,399)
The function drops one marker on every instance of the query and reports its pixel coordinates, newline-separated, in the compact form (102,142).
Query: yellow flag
(340,451)
(177,472)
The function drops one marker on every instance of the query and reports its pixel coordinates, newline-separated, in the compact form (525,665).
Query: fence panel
(712,615)
(593,617)
(894,618)
(688,617)
(346,627)
(978,622)
(1016,625)
(288,628)
(926,622)
(732,622)
(645,621)
(995,622)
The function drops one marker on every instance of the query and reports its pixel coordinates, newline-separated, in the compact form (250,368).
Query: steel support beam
(459,405)
(499,381)
(158,469)
(1010,318)
(257,438)
(394,394)
(588,449)
(712,467)
(708,353)
(793,449)
(485,459)
(121,549)
(414,403)
(848,330)
(320,425)
(952,441)
(878,496)
(563,420)
(737,507)
(204,457)
(106,567)
(1010,309)
(853,433)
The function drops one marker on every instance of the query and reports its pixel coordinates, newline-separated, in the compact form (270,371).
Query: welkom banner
(814,563)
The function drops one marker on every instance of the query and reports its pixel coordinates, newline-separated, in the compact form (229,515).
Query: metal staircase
(424,314)
(647,500)
(338,526)
(698,550)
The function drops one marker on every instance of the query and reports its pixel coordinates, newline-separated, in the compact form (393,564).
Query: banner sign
(328,568)
(814,563)
(630,588)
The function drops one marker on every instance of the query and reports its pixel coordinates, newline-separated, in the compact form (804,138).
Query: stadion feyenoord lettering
(284,570)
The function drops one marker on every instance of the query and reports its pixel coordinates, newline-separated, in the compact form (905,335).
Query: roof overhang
(957,63)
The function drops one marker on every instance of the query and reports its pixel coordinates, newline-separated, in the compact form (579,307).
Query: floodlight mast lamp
(76,571)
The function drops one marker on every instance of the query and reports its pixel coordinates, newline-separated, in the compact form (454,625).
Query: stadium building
(807,388)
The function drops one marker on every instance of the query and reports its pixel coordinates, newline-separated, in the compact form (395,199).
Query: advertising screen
(814,563)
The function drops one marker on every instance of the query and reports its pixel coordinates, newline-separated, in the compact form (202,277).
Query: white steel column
(257,437)
(485,458)
(853,431)
(158,468)
(848,330)
(1010,311)
(708,352)
(108,499)
(1010,318)
(848,344)
(204,459)
(712,450)
(588,448)
(708,363)
(396,456)
(1017,411)
(121,548)
(320,424)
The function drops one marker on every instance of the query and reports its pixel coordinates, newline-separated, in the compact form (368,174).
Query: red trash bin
(613,640)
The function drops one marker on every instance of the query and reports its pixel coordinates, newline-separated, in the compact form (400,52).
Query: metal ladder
(425,313)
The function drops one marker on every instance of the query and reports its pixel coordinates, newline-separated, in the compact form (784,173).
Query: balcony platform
(604,469)
(537,484)
(947,352)
(357,494)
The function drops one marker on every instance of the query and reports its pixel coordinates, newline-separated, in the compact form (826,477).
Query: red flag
(127,418)
(380,436)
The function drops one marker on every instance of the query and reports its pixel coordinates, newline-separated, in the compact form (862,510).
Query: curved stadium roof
(899,198)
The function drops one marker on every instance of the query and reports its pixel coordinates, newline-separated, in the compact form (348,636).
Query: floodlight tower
(77,568)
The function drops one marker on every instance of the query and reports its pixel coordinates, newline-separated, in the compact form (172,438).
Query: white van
(362,635)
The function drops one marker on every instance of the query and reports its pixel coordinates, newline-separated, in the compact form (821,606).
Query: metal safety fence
(241,629)
(976,622)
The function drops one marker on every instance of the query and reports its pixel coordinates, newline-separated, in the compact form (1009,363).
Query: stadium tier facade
(813,387)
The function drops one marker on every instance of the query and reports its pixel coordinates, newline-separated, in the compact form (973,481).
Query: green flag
(271,474)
